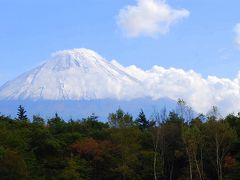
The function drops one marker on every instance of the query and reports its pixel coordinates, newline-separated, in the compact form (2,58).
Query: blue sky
(203,40)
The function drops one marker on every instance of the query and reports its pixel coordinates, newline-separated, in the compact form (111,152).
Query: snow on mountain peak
(76,54)
(73,58)
(73,75)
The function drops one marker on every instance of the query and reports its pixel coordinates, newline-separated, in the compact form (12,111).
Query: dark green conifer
(21,115)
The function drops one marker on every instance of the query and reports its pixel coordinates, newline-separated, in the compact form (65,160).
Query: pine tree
(142,121)
(22,114)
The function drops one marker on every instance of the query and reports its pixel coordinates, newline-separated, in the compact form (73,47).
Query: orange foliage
(87,147)
(229,162)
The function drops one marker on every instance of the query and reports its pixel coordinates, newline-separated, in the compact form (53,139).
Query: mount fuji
(78,74)
(76,83)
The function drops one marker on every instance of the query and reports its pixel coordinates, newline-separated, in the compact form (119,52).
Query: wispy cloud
(237,31)
(149,18)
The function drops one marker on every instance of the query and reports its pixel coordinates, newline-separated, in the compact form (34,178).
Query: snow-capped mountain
(82,74)
(73,75)
(78,82)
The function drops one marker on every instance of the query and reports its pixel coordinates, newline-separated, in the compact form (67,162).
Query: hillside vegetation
(168,146)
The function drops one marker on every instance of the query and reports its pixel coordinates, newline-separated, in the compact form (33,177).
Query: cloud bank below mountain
(199,92)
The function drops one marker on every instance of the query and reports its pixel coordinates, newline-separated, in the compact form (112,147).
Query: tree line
(175,145)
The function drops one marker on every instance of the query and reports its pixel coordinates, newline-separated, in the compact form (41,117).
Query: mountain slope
(78,82)
(84,108)
(73,75)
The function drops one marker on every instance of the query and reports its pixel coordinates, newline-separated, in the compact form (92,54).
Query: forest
(175,145)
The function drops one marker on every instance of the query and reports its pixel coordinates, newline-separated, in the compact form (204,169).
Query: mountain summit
(75,74)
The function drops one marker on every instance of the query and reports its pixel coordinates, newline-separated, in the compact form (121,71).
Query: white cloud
(200,93)
(237,31)
(149,17)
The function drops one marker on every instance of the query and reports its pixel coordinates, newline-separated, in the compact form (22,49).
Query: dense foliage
(175,145)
